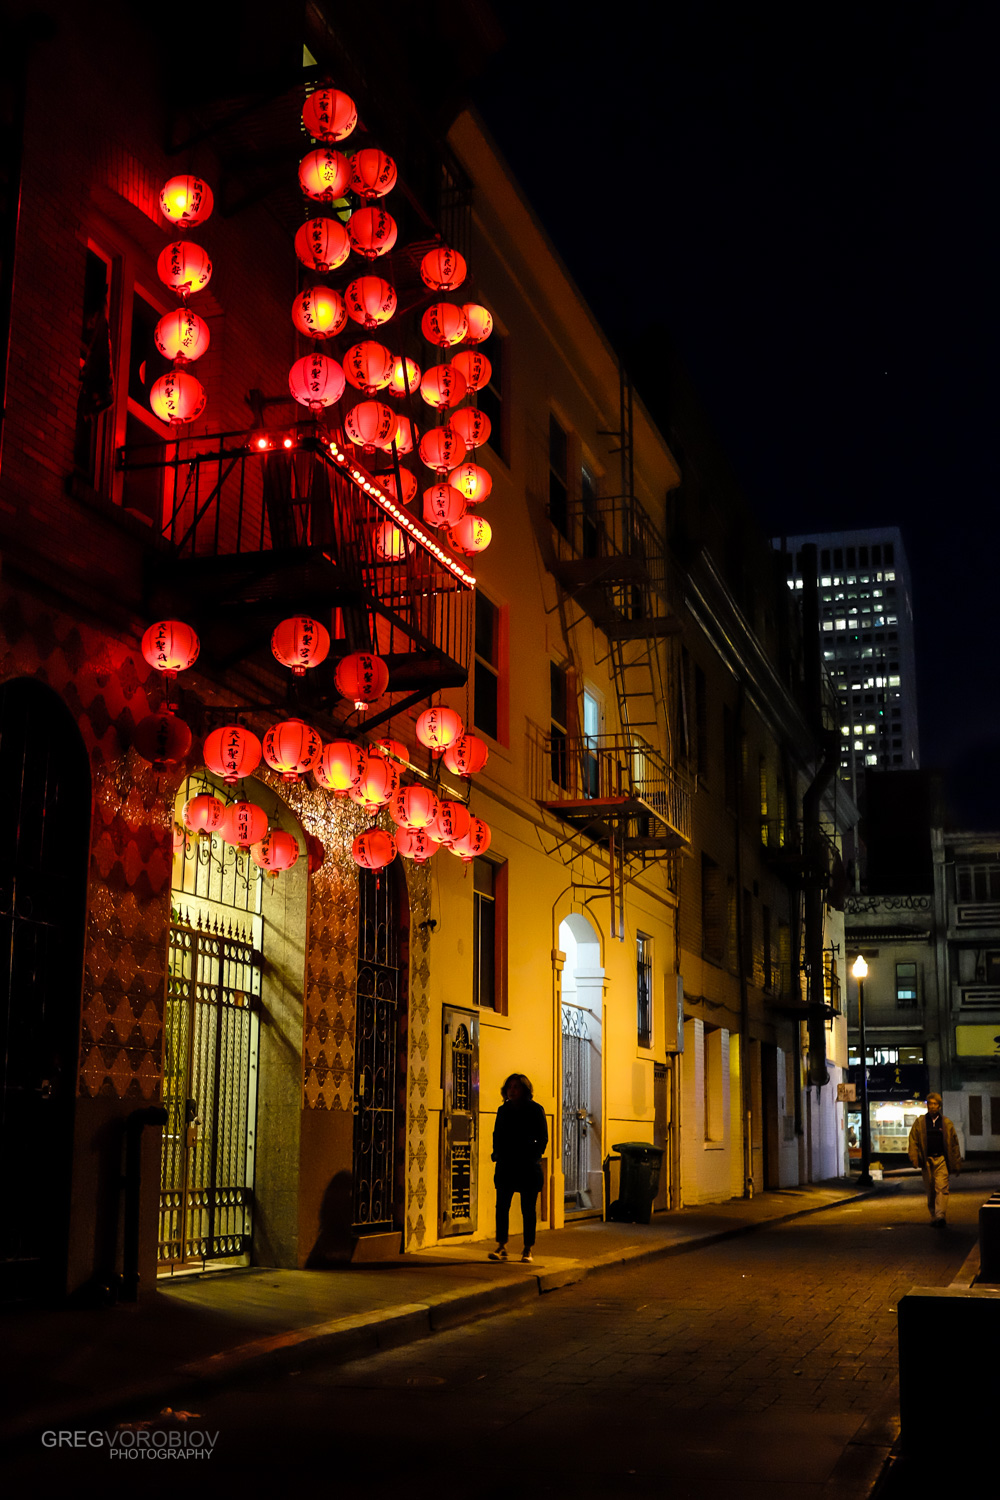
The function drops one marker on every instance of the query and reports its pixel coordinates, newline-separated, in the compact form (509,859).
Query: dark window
(588,498)
(993,968)
(838,557)
(888,555)
(975,1114)
(713,911)
(486,694)
(825,559)
(559,713)
(850,558)
(906,986)
(644,990)
(558,478)
(876,556)
(489,934)
(97,388)
(491,397)
(863,556)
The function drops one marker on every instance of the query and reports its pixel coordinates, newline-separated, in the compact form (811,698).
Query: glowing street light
(860,971)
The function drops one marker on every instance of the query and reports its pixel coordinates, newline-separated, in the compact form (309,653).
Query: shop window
(558,477)
(644,989)
(489,934)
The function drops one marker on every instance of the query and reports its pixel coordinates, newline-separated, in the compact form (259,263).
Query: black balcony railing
(594,778)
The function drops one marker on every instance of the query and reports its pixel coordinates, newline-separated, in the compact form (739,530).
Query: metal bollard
(989,1240)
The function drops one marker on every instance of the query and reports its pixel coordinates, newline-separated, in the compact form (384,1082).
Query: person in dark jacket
(520,1137)
(933,1147)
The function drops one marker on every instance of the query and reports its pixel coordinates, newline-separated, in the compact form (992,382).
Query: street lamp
(860,972)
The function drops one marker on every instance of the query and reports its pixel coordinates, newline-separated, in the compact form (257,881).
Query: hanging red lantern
(443,269)
(405,377)
(322,244)
(371,425)
(388,746)
(232,752)
(319,313)
(362,677)
(184,267)
(244,824)
(368,366)
(439,727)
(378,783)
(162,739)
(276,851)
(474,367)
(480,322)
(471,535)
(372,232)
(473,843)
(414,807)
(441,448)
(170,647)
(444,324)
(404,435)
(472,425)
(181,335)
(415,844)
(292,747)
(316,381)
(374,850)
(300,643)
(324,175)
(409,486)
(203,814)
(370,301)
(373,173)
(472,482)
(186,201)
(329,115)
(315,853)
(442,386)
(389,542)
(177,398)
(341,766)
(443,505)
(467,755)
(451,823)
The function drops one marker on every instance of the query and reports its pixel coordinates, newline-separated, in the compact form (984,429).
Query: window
(978,882)
(491,397)
(975,1114)
(713,911)
(713,1077)
(558,478)
(486,702)
(762,781)
(591,729)
(993,968)
(559,715)
(906,986)
(644,989)
(489,934)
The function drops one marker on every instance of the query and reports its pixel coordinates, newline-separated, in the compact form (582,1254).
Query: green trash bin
(638,1183)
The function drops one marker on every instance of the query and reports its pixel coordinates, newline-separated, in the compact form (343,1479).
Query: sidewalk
(64,1365)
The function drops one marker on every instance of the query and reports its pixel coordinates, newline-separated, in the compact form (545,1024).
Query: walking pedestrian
(520,1137)
(933,1147)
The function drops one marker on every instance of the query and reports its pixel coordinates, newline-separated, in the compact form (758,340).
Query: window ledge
(496,1019)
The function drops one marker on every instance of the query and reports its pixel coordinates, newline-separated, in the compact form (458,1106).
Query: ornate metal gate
(459,1185)
(576,1099)
(376,1050)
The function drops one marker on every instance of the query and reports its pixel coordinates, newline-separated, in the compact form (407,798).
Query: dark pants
(527,1183)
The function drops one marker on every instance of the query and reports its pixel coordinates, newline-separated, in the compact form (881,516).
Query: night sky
(801,202)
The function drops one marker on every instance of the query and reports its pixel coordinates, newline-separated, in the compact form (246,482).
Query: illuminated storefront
(897,1088)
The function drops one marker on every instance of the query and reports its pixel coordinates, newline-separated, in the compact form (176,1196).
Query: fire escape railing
(612,771)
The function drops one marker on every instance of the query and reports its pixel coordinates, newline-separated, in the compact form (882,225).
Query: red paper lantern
(316,381)
(472,482)
(472,425)
(443,269)
(405,377)
(170,647)
(480,322)
(473,843)
(162,739)
(292,747)
(203,814)
(474,367)
(370,301)
(443,505)
(324,175)
(371,425)
(439,727)
(442,447)
(368,366)
(319,312)
(387,746)
(300,643)
(186,201)
(244,824)
(389,542)
(444,324)
(404,435)
(414,807)
(362,677)
(322,244)
(415,844)
(467,755)
(471,535)
(329,115)
(184,267)
(315,853)
(442,386)
(276,851)
(452,822)
(373,850)
(181,335)
(341,766)
(409,486)
(373,173)
(378,783)
(232,752)
(372,231)
(177,398)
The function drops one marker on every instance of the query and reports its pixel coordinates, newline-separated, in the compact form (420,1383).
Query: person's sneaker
(527,1255)
(500,1253)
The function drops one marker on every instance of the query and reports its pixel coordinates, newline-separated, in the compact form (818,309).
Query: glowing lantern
(300,643)
(322,244)
(373,850)
(319,312)
(370,301)
(472,425)
(378,783)
(480,322)
(232,752)
(443,505)
(404,435)
(409,485)
(474,367)
(361,677)
(324,175)
(439,727)
(415,844)
(372,232)
(405,377)
(316,381)
(292,747)
(373,173)
(276,851)
(473,843)
(442,386)
(471,481)
(443,324)
(443,269)
(181,335)
(329,115)
(341,766)
(390,747)
(371,425)
(162,739)
(170,647)
(471,535)
(244,824)
(414,807)
(177,398)
(451,823)
(390,543)
(467,755)
(315,853)
(184,267)
(186,201)
(203,814)
(368,366)
(441,447)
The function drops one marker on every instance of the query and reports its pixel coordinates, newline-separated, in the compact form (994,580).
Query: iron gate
(375,1050)
(576,1099)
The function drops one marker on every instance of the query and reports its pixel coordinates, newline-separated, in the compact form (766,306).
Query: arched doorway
(44,842)
(582,993)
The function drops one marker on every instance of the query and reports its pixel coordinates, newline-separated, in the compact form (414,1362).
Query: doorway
(582,997)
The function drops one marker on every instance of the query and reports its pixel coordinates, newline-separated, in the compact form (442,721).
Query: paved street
(742,1370)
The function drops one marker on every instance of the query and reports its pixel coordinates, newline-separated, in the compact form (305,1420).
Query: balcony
(613,787)
(612,560)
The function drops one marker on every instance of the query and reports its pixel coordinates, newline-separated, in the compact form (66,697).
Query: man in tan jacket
(933,1147)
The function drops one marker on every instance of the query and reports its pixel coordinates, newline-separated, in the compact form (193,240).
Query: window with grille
(978,882)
